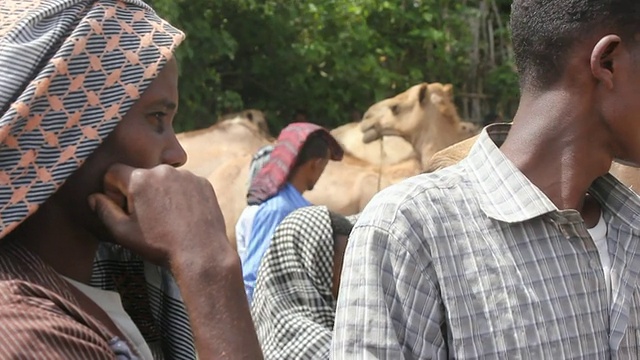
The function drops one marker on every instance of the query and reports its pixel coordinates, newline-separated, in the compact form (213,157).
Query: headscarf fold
(293,308)
(274,174)
(258,160)
(71,69)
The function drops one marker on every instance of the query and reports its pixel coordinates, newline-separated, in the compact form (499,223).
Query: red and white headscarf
(274,174)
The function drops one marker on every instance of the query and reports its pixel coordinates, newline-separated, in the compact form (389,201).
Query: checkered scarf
(293,307)
(275,173)
(71,69)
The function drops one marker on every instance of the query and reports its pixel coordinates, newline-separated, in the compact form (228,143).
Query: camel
(254,116)
(385,151)
(222,154)
(345,187)
(210,147)
(424,116)
(628,175)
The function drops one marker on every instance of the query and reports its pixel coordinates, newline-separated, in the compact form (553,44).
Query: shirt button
(595,264)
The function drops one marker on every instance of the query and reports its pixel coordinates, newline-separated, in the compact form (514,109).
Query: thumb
(113,217)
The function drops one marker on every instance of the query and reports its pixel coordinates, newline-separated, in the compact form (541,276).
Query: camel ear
(436,98)
(422,95)
(448,90)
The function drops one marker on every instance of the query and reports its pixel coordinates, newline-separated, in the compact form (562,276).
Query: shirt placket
(573,229)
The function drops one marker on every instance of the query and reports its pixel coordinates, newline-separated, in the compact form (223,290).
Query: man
(301,153)
(294,305)
(88,190)
(527,249)
(245,221)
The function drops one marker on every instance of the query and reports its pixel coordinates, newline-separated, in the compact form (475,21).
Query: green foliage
(327,57)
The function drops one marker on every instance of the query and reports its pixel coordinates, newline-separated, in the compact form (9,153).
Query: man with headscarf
(245,221)
(88,190)
(301,154)
(298,281)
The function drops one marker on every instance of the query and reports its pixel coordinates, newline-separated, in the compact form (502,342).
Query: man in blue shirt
(301,154)
(245,221)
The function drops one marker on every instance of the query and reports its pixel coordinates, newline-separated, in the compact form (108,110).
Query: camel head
(422,110)
(253,116)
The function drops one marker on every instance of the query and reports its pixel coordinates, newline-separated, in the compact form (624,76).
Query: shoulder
(36,320)
(415,214)
(419,199)
(282,203)
(248,214)
(30,327)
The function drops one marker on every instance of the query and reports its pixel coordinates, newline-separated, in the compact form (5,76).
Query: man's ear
(603,59)
(317,163)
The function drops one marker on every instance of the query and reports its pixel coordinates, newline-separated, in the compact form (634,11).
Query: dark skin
(130,193)
(574,129)
(340,246)
(305,177)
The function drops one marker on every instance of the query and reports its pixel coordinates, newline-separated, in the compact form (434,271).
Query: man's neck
(59,242)
(298,183)
(560,147)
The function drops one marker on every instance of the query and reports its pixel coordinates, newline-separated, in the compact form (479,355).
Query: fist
(161,213)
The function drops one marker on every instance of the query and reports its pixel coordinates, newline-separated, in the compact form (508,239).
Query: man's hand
(162,214)
(172,218)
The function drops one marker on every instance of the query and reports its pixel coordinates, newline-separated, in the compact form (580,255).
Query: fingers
(111,215)
(116,185)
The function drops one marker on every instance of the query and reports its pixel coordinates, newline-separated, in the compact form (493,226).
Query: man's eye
(158,120)
(159,115)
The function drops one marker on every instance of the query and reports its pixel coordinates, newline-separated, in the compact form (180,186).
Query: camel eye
(394,109)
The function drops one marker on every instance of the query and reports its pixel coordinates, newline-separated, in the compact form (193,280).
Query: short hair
(340,225)
(316,147)
(544,31)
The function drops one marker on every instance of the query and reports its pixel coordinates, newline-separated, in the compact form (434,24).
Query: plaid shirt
(475,262)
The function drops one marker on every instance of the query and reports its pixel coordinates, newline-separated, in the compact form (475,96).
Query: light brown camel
(424,116)
(210,147)
(254,116)
(223,152)
(345,187)
(394,149)
(628,175)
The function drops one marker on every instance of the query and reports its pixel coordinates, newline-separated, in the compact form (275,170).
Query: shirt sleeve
(263,228)
(34,333)
(241,247)
(388,307)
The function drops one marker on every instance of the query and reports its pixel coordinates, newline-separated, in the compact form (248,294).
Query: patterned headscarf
(293,308)
(70,71)
(273,176)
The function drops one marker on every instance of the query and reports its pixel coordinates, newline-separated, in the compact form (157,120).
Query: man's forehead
(163,91)
(163,103)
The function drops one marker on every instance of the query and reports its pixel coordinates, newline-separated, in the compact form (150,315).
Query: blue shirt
(268,217)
